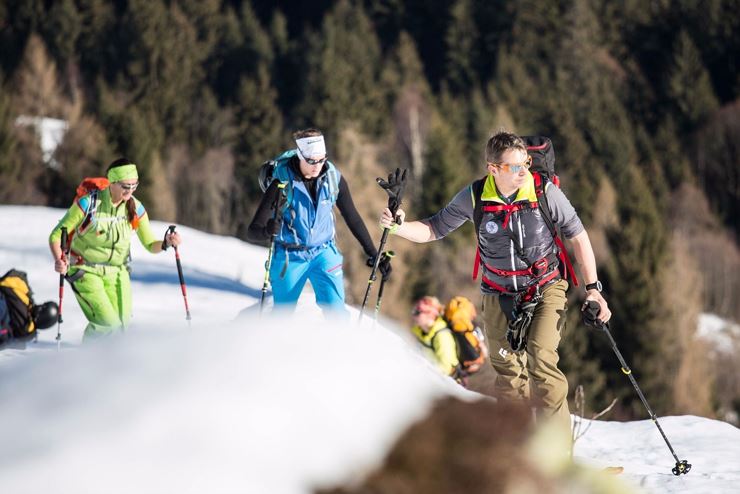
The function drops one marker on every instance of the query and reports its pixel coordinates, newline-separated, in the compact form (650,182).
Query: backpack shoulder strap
(333,176)
(476,190)
(540,187)
(282,173)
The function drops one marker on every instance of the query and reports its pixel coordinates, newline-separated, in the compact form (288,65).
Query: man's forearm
(416,231)
(585,258)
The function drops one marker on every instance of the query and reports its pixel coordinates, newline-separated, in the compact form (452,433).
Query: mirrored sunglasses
(516,168)
(131,187)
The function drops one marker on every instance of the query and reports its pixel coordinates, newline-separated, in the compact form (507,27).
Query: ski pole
(394,187)
(390,255)
(592,308)
(61,290)
(271,250)
(171,230)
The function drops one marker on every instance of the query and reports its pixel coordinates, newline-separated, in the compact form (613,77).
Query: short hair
(501,142)
(310,132)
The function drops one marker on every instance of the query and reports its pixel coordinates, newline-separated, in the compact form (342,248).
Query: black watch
(596,285)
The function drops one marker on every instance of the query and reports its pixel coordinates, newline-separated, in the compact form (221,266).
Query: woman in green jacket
(100,224)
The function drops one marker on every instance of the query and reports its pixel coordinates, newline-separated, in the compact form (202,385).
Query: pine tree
(260,134)
(411,99)
(461,41)
(341,70)
(633,278)
(689,85)
(11,166)
(62,26)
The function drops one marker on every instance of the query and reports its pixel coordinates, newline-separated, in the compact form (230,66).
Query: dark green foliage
(689,85)
(634,275)
(340,70)
(259,130)
(462,41)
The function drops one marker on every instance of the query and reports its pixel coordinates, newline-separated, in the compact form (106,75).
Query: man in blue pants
(306,185)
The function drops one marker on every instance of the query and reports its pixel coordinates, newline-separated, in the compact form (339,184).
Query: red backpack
(92,186)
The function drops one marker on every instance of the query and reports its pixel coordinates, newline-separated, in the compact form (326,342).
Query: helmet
(45,315)
(265,178)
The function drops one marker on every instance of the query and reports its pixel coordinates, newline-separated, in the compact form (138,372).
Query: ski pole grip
(64,240)
(591,311)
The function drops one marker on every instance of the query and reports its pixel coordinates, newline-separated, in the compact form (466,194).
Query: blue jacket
(307,224)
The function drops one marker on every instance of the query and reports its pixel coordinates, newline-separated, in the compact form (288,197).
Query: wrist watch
(596,285)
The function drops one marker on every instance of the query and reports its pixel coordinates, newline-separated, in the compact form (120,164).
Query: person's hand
(394,186)
(273,226)
(604,313)
(593,311)
(61,265)
(385,266)
(172,239)
(388,221)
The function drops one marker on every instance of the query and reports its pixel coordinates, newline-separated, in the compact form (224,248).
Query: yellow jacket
(440,344)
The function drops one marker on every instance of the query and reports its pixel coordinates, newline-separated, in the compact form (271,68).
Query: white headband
(311,147)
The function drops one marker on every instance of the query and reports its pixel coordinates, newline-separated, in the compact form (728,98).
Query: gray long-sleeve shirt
(460,209)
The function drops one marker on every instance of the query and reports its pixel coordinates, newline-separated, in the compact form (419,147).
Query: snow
(243,404)
(722,334)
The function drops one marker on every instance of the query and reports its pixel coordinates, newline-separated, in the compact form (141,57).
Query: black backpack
(543,170)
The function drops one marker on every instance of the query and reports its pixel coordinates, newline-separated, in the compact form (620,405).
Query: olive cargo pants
(532,374)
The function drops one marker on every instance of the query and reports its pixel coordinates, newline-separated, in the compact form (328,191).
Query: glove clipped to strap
(273,226)
(384,265)
(394,186)
(590,314)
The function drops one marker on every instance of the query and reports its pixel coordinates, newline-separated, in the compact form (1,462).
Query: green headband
(124,172)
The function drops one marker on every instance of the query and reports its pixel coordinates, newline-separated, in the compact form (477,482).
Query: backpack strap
(476,191)
(540,186)
(333,176)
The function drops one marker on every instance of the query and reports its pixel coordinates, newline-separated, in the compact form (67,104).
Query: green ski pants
(104,294)
(532,374)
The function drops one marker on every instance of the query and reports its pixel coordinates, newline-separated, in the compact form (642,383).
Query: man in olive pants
(519,260)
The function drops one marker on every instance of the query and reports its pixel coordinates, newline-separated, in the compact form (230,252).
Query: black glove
(590,312)
(394,187)
(384,266)
(273,226)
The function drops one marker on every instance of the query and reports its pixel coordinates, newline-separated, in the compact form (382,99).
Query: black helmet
(45,315)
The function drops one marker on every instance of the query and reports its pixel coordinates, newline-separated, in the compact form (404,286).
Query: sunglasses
(319,161)
(516,168)
(131,187)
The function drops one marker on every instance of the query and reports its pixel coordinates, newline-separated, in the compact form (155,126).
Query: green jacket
(441,344)
(107,238)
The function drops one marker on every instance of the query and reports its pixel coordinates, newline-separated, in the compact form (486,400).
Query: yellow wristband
(392,230)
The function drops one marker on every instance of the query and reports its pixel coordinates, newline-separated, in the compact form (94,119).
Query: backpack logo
(491,227)
(503,352)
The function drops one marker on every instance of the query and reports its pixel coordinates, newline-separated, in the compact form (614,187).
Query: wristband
(392,230)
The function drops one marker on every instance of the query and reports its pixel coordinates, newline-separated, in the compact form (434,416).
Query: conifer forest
(640,98)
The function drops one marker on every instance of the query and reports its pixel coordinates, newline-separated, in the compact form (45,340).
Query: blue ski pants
(322,266)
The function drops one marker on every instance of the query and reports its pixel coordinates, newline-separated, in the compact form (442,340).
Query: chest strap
(509,209)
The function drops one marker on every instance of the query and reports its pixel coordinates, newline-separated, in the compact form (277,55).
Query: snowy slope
(250,405)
